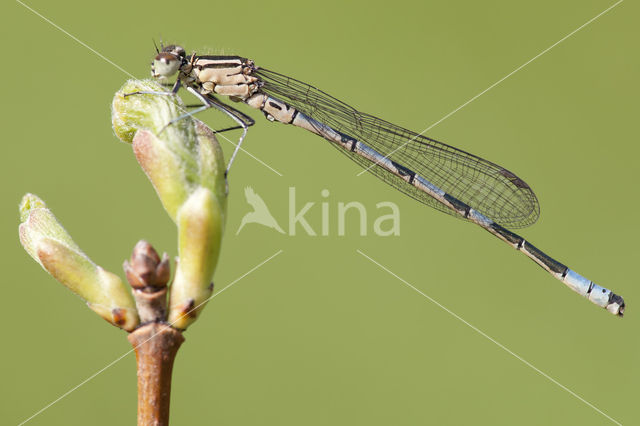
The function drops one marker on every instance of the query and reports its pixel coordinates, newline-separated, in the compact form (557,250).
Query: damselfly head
(167,62)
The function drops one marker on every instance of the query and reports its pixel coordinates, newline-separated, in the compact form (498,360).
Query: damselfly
(434,173)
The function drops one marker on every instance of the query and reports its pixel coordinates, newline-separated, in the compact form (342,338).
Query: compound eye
(174,50)
(165,57)
(179,51)
(165,65)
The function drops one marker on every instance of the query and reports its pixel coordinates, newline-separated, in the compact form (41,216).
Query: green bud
(200,227)
(163,169)
(178,158)
(44,238)
(152,112)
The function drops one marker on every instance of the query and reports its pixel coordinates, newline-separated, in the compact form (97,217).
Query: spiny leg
(243,120)
(173,91)
(241,115)
(234,114)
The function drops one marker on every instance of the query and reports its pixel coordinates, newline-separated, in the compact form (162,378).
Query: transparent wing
(487,187)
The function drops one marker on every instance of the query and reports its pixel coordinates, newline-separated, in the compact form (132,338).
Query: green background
(321,335)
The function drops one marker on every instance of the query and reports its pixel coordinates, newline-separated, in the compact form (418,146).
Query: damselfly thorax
(434,173)
(233,76)
(221,75)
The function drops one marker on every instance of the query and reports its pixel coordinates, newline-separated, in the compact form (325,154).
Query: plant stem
(156,345)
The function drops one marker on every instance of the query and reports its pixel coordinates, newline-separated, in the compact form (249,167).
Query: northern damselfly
(434,173)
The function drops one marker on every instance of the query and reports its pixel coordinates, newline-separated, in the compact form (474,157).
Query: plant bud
(44,238)
(200,226)
(145,269)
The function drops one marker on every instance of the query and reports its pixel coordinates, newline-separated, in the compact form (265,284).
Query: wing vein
(485,186)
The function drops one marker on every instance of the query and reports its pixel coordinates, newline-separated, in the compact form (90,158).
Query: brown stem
(156,345)
(152,306)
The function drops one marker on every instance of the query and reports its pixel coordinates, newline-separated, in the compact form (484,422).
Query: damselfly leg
(243,120)
(241,115)
(173,91)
